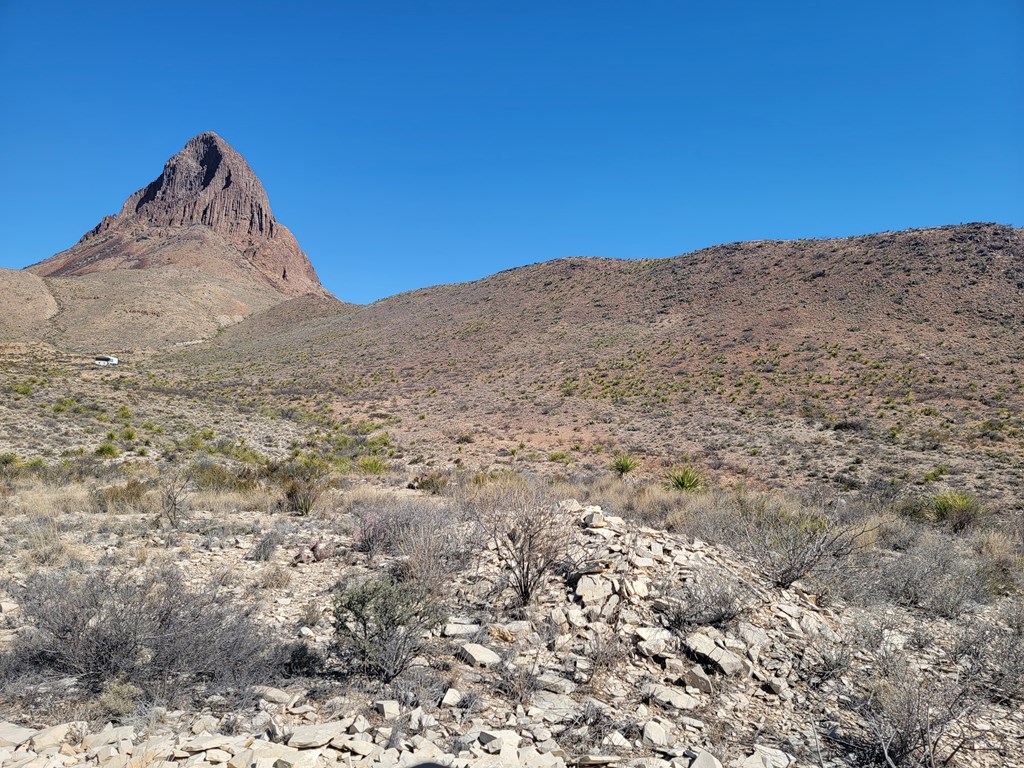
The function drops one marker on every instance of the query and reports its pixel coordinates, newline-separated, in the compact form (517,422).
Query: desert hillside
(850,362)
(753,506)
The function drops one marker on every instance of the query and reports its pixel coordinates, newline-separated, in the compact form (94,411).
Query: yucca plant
(958,510)
(623,463)
(685,478)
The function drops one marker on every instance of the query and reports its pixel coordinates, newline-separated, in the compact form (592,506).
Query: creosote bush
(380,625)
(791,541)
(937,576)
(910,719)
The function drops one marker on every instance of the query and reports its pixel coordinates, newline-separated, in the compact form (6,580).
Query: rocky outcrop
(207,210)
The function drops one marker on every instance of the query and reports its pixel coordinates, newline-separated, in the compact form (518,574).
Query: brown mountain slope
(909,344)
(26,305)
(195,250)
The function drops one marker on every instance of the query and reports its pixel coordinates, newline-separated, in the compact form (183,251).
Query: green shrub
(380,625)
(108,450)
(623,463)
(372,465)
(685,478)
(957,510)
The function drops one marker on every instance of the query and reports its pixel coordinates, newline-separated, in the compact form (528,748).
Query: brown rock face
(207,211)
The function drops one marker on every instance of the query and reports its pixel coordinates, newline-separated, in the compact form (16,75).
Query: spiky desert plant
(685,478)
(624,463)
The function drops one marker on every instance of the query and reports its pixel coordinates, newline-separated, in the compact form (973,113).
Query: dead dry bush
(791,541)
(147,629)
(937,575)
(517,680)
(531,533)
(175,489)
(432,544)
(908,718)
(990,652)
(709,598)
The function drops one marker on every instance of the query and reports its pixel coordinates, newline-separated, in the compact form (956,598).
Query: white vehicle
(106,360)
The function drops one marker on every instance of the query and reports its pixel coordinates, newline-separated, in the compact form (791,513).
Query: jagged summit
(207,183)
(207,210)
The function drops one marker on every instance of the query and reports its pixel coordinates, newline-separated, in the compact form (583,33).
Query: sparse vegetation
(143,628)
(380,623)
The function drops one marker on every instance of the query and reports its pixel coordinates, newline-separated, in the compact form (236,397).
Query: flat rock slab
(705,760)
(263,754)
(57,735)
(704,648)
(273,695)
(109,736)
(671,697)
(478,655)
(313,736)
(12,735)
(460,630)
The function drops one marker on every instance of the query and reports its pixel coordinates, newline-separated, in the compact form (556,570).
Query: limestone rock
(477,655)
(671,697)
(311,736)
(57,735)
(12,735)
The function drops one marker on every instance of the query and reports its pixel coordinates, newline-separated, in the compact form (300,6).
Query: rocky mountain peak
(206,183)
(206,210)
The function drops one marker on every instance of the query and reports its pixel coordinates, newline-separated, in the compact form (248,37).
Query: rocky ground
(642,648)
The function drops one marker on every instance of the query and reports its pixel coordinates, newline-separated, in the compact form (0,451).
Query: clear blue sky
(411,142)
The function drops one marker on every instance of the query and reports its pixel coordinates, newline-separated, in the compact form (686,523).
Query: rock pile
(596,672)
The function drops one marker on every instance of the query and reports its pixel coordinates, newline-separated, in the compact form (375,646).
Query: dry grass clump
(261,499)
(130,496)
(274,577)
(31,496)
(650,504)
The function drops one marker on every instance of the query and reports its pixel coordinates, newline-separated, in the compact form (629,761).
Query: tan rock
(477,655)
